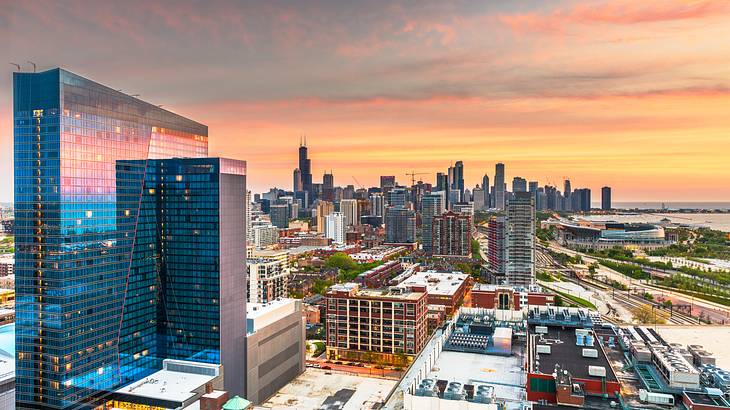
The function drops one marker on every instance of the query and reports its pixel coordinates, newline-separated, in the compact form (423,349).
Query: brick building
(375,325)
(509,297)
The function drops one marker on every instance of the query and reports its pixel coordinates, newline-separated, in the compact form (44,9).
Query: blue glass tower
(123,258)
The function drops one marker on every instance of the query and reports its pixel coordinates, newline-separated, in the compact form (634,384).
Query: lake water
(720,222)
(669,205)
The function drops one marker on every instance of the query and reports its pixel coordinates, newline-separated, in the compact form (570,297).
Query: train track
(631,301)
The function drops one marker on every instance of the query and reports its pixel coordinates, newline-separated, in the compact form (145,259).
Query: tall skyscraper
(397,197)
(377,204)
(485,187)
(324,208)
(400,225)
(581,200)
(103,230)
(458,182)
(328,186)
(305,168)
(297,183)
(280,215)
(496,249)
(432,205)
(349,208)
(520,238)
(568,196)
(442,182)
(499,194)
(606,198)
(387,182)
(451,235)
(519,184)
(532,187)
(335,227)
(478,195)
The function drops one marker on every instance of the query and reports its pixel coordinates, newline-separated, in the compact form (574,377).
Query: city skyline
(404,89)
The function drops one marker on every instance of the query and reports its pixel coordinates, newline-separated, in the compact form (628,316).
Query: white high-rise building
(520,239)
(265,235)
(478,194)
(348,207)
(335,227)
(377,204)
(268,276)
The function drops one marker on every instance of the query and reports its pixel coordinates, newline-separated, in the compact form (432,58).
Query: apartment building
(375,325)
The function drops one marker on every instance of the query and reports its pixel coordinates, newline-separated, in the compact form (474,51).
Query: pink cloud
(620,12)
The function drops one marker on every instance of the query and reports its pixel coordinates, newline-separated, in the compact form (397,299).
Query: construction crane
(413,176)
(358,183)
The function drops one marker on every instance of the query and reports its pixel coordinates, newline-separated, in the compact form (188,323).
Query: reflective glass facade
(110,252)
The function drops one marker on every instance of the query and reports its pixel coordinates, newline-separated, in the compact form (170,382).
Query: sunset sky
(631,94)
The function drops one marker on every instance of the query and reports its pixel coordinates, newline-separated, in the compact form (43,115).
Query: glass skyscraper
(122,258)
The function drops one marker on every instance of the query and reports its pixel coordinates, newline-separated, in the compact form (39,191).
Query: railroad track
(630,302)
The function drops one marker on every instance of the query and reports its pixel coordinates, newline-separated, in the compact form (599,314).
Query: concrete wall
(233,281)
(275,355)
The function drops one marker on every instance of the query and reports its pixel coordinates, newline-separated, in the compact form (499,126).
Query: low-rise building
(275,346)
(365,324)
(379,276)
(379,253)
(179,385)
(565,361)
(509,297)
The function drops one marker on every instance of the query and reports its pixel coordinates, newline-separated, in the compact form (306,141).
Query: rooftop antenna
(16,65)
(33,64)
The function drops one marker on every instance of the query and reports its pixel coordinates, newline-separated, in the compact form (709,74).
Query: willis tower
(305,167)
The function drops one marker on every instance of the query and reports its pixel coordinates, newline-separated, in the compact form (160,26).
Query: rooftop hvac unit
(484,394)
(592,353)
(454,391)
(543,349)
(597,371)
(541,330)
(427,388)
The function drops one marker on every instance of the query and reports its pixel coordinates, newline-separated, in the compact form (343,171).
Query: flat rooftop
(375,293)
(714,339)
(706,400)
(504,373)
(317,388)
(167,385)
(436,283)
(260,315)
(569,356)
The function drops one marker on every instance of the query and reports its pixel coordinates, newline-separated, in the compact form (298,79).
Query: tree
(592,269)
(646,315)
(340,260)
